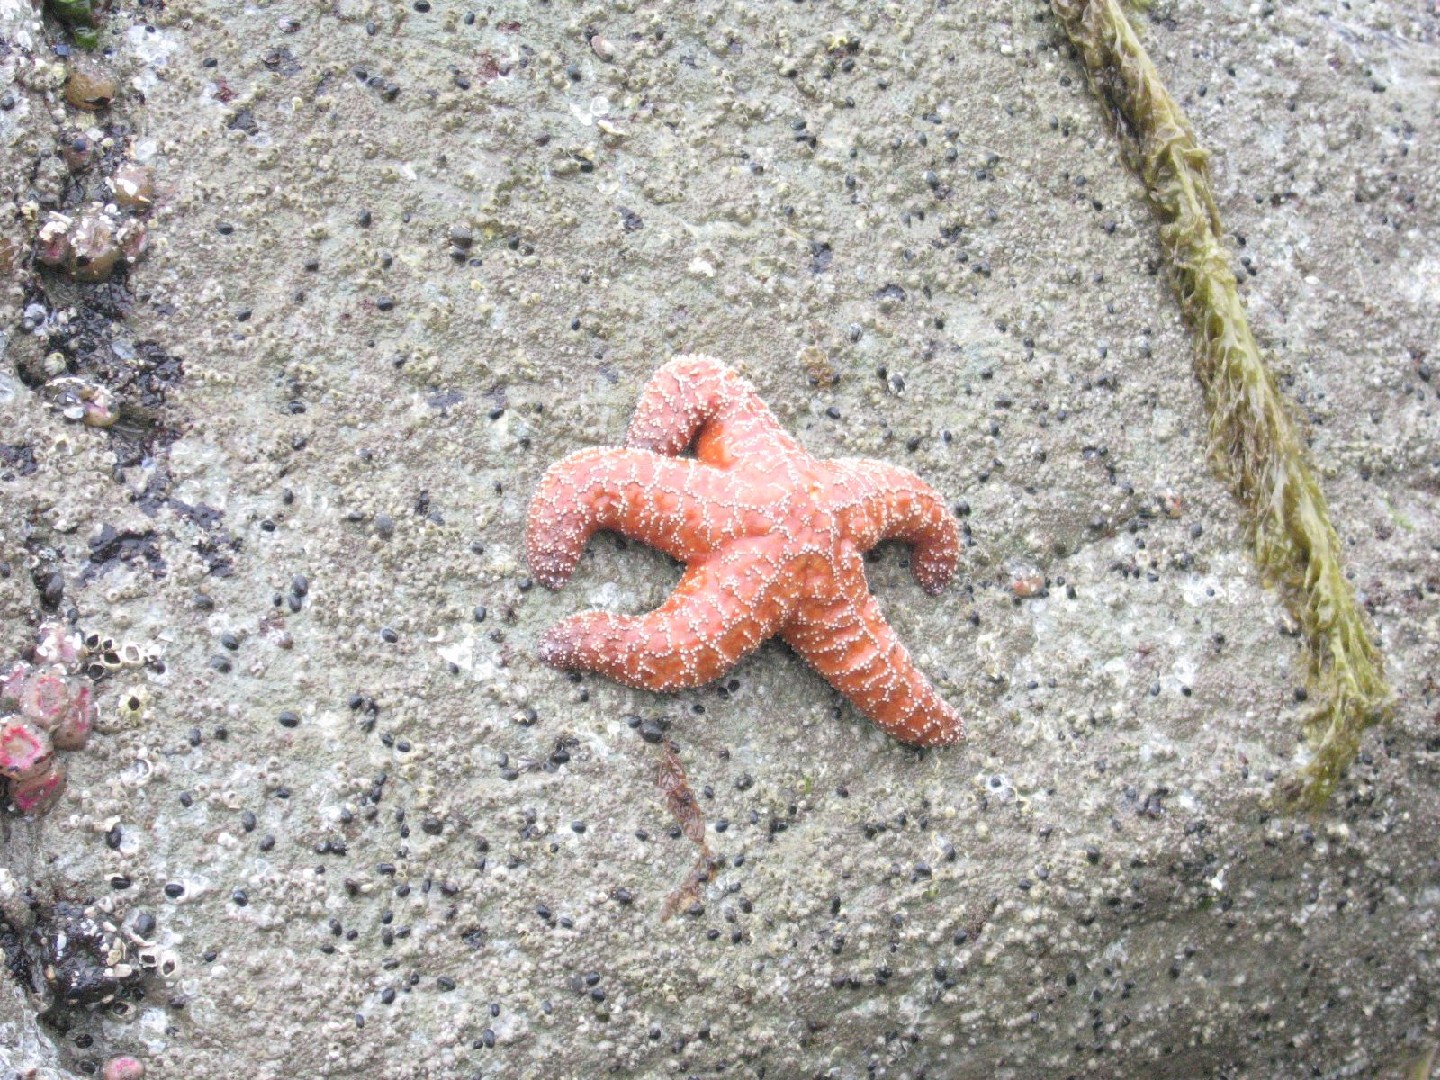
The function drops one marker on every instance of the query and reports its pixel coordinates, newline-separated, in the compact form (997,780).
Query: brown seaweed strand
(680,800)
(1253,438)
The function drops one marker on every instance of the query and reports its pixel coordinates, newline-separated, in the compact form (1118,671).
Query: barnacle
(44,707)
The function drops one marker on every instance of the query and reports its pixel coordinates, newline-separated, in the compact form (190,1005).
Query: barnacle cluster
(78,954)
(82,399)
(89,240)
(90,243)
(45,706)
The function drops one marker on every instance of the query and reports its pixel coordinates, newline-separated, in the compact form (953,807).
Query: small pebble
(90,87)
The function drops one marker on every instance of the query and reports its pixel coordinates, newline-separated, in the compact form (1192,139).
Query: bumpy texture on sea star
(772,540)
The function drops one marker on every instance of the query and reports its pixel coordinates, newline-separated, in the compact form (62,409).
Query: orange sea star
(772,540)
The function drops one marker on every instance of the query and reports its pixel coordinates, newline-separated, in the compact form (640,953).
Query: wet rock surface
(403,257)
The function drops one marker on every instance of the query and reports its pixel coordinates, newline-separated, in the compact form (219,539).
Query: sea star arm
(857,652)
(721,611)
(698,399)
(676,506)
(886,502)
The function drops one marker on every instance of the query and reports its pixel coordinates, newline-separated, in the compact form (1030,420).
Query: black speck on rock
(70,949)
(51,586)
(16,459)
(111,545)
(245,121)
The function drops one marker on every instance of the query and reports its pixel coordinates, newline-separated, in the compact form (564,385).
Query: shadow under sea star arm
(891,503)
(697,399)
(857,652)
(659,501)
(722,610)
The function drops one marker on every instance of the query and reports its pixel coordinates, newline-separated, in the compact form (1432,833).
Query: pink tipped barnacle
(25,750)
(43,708)
(72,730)
(123,1068)
(52,243)
(56,644)
(133,239)
(45,697)
(134,186)
(62,705)
(12,682)
(38,793)
(98,409)
(93,241)
(89,243)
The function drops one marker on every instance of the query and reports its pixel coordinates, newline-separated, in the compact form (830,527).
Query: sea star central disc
(772,539)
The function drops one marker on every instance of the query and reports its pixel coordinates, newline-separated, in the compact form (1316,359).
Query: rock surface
(404,256)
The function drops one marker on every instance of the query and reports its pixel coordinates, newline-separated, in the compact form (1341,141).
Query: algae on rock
(1253,438)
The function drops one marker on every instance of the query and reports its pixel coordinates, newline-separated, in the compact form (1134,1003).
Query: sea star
(772,540)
